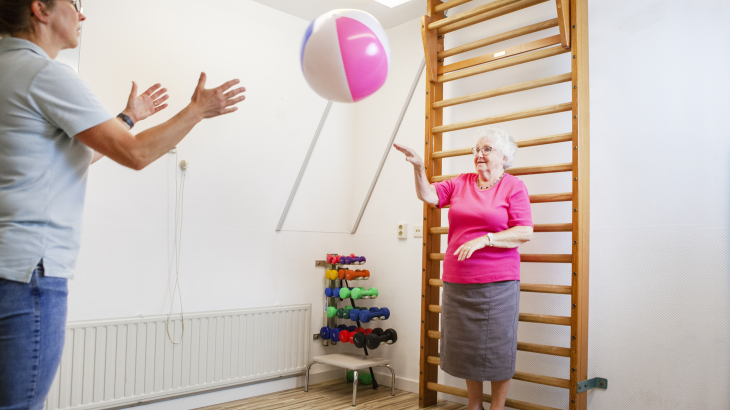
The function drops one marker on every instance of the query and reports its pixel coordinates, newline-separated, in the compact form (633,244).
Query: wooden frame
(572,22)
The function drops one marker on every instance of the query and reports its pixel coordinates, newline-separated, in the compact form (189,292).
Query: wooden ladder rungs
(551,139)
(507,6)
(525,257)
(524,287)
(538,199)
(543,198)
(470,13)
(525,317)
(500,55)
(534,170)
(525,377)
(533,112)
(449,5)
(499,64)
(568,227)
(533,28)
(515,404)
(515,88)
(524,347)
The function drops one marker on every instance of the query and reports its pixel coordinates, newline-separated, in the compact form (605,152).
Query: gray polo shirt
(43,169)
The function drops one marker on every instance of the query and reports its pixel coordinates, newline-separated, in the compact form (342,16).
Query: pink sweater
(474,213)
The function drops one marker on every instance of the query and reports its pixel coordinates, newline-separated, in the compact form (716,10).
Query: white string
(177,243)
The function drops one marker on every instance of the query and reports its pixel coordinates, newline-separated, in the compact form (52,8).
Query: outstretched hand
(411,156)
(150,102)
(216,101)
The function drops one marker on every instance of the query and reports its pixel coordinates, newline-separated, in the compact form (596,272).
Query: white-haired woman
(489,217)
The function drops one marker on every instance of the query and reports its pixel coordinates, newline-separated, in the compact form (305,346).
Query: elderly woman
(52,128)
(489,217)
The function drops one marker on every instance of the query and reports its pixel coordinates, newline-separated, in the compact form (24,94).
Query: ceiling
(388,17)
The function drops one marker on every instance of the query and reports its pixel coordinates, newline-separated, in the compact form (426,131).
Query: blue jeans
(32,331)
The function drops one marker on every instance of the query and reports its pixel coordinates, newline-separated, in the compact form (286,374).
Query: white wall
(660,159)
(659,102)
(242,169)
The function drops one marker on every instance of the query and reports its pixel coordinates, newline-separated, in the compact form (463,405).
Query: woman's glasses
(77,5)
(485,150)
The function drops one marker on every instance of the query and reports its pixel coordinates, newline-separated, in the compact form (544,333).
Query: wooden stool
(352,362)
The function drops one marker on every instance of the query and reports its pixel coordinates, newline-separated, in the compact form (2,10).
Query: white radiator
(118,362)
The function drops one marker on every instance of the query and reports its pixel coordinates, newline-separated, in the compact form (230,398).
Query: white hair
(501,141)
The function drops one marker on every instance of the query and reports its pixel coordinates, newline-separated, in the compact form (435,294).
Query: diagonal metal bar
(390,144)
(304,166)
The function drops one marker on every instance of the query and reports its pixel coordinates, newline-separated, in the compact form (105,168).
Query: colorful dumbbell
(352,274)
(344,313)
(357,293)
(372,341)
(331,311)
(324,333)
(346,293)
(362,377)
(337,292)
(355,314)
(331,274)
(368,315)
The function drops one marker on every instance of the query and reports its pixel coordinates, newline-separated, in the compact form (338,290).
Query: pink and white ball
(345,55)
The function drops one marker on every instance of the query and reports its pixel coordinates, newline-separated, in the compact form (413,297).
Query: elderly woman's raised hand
(150,102)
(411,156)
(216,101)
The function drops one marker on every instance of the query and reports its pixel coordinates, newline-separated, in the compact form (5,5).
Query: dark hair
(15,15)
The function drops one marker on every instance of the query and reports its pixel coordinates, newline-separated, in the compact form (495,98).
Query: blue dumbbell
(335,335)
(324,333)
(342,327)
(332,292)
(351,328)
(367,315)
(355,314)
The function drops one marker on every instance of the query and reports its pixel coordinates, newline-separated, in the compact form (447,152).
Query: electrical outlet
(418,231)
(403,231)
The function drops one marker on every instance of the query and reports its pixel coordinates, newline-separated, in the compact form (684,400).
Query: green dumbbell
(344,313)
(331,311)
(360,292)
(362,377)
(346,293)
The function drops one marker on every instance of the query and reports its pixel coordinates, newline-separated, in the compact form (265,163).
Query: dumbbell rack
(332,301)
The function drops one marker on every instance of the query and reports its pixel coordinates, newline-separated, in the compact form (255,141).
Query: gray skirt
(479,330)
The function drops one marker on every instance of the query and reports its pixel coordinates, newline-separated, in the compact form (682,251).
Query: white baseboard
(239,393)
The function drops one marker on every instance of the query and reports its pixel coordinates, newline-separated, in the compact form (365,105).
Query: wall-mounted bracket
(594,383)
(318,264)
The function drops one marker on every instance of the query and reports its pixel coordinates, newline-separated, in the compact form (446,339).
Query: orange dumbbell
(352,274)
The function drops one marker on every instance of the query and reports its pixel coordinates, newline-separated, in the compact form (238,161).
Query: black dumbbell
(359,338)
(372,341)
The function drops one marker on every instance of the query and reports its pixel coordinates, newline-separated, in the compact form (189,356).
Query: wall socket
(418,231)
(403,231)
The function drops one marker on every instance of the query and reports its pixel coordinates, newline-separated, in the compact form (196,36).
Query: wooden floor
(334,395)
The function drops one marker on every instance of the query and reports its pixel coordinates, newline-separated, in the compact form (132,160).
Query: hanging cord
(372,374)
(177,243)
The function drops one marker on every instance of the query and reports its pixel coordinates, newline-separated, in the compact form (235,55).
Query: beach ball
(345,55)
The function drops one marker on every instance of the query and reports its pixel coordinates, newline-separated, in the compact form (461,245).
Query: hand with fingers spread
(467,249)
(150,102)
(411,156)
(209,103)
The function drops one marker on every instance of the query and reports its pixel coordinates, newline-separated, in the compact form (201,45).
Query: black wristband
(126,119)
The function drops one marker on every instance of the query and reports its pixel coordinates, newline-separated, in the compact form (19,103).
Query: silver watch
(491,239)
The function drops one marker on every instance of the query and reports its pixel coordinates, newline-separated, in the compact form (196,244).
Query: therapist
(51,128)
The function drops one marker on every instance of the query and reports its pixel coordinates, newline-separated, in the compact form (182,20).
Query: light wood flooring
(333,395)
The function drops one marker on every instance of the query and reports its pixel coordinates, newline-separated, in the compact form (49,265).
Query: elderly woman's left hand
(467,249)
(150,102)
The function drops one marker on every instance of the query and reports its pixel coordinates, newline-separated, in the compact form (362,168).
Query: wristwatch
(491,238)
(126,119)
